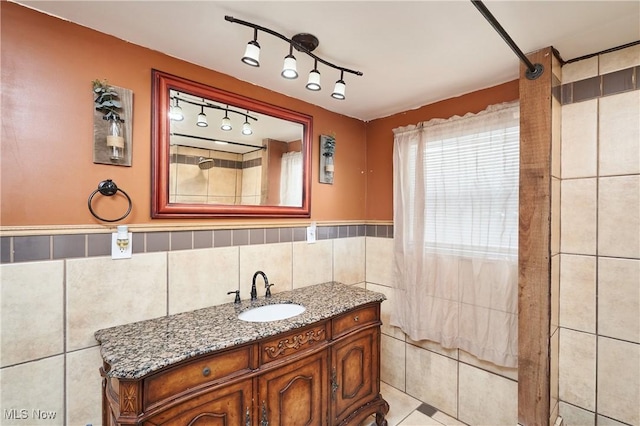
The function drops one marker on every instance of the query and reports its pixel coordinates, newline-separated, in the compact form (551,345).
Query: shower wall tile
(618,82)
(102,293)
(83,387)
(579,154)
(556,129)
(589,88)
(619,59)
(606,421)
(275,260)
(379,261)
(619,298)
(555,293)
(575,416)
(617,398)
(619,216)
(348,260)
(433,378)
(555,215)
(620,145)
(509,373)
(578,292)
(201,278)
(312,263)
(478,406)
(580,70)
(611,365)
(578,216)
(393,362)
(34,385)
(436,347)
(26,289)
(577,375)
(554,368)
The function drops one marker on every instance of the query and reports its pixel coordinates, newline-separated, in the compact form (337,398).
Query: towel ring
(108,188)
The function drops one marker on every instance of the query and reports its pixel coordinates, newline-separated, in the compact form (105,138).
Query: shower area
(205,176)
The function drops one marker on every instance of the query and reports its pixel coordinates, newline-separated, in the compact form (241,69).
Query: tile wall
(57,290)
(599,265)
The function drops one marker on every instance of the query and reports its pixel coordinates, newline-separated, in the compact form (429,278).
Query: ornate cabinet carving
(296,395)
(327,373)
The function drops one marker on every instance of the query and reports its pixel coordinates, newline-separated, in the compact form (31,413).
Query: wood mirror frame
(161,206)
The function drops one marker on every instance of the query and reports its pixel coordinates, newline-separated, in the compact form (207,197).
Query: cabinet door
(226,406)
(354,373)
(295,394)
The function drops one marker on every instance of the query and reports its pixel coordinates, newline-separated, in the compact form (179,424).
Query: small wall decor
(112,117)
(327,153)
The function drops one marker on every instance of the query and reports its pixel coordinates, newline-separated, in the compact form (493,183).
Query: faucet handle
(237,292)
(268,292)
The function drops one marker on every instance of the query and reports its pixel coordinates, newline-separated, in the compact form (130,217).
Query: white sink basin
(278,311)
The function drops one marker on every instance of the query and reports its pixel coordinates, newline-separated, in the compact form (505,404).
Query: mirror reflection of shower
(209,165)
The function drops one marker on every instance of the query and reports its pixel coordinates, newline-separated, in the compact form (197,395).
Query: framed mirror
(219,154)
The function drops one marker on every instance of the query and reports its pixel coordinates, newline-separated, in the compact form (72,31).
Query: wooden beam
(534,264)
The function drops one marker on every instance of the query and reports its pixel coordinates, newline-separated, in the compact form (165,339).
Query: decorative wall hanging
(112,118)
(327,154)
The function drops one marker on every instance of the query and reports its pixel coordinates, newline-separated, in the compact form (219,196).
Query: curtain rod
(533,71)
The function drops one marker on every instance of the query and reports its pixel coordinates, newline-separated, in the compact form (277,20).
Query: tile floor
(404,410)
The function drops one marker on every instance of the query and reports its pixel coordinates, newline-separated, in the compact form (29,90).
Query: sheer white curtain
(291,179)
(456,232)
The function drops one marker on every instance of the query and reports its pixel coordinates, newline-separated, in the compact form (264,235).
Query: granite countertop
(137,349)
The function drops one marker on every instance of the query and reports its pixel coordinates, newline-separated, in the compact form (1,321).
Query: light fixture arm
(297,45)
(533,71)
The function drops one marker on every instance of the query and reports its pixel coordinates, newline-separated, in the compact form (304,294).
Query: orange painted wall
(380,140)
(47,172)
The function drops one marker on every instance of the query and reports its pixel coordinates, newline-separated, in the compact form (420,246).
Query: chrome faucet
(254,293)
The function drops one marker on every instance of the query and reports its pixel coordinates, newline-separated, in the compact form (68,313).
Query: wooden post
(534,264)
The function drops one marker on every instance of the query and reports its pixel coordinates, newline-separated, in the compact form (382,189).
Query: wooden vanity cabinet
(327,373)
(224,406)
(297,394)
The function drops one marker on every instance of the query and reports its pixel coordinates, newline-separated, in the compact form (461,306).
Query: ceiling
(411,53)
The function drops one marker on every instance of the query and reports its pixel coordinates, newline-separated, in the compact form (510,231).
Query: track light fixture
(226,123)
(202,118)
(246,127)
(302,42)
(314,78)
(175,113)
(339,88)
(252,53)
(289,70)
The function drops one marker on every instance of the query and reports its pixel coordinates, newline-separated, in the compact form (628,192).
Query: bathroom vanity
(208,367)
